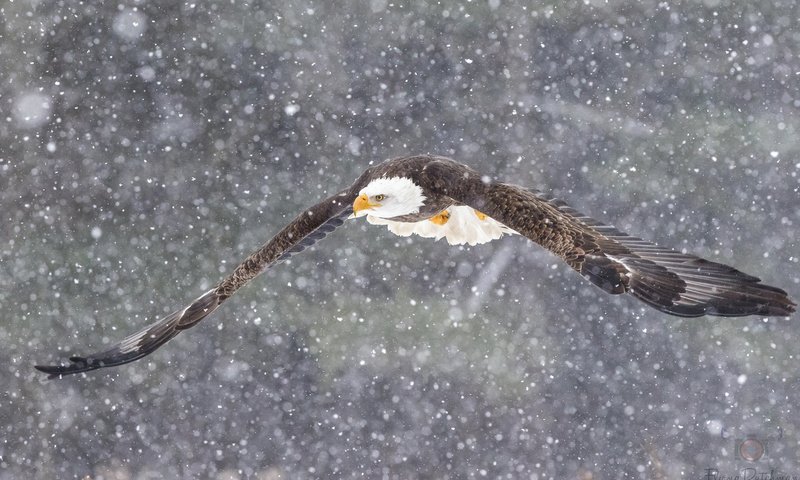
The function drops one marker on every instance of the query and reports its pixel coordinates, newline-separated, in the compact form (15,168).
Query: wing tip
(755,299)
(716,311)
(784,309)
(693,289)
(76,365)
(774,305)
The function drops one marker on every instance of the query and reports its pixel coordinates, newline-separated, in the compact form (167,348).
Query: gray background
(147,147)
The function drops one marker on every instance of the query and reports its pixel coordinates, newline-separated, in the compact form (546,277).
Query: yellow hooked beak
(363,203)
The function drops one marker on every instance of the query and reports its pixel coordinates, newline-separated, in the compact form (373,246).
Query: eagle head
(388,198)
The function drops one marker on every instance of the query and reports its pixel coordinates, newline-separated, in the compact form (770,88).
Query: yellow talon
(481,216)
(440,218)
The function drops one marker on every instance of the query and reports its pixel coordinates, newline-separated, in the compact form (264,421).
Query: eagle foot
(440,218)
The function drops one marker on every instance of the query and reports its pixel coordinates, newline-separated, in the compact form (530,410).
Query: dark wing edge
(673,282)
(670,281)
(305,230)
(321,232)
(140,344)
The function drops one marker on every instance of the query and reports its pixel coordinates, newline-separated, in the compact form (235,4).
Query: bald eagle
(437,197)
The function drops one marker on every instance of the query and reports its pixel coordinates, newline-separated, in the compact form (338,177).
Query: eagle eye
(379,197)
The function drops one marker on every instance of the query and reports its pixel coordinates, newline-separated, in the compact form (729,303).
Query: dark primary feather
(675,282)
(141,343)
(308,228)
(318,234)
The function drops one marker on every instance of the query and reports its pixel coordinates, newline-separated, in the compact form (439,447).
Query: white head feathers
(396,196)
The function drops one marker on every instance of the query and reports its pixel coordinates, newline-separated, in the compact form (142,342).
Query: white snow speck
(146,73)
(291,109)
(629,410)
(354,145)
(96,232)
(130,24)
(714,427)
(32,109)
(741,379)
(773,154)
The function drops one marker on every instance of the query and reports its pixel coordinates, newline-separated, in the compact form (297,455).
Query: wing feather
(673,282)
(678,283)
(304,231)
(140,344)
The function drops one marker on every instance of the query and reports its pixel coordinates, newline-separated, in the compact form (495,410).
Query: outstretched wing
(671,281)
(141,343)
(306,229)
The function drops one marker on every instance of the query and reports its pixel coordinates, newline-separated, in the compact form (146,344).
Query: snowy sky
(147,148)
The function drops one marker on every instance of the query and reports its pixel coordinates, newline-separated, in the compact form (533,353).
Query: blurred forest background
(147,147)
